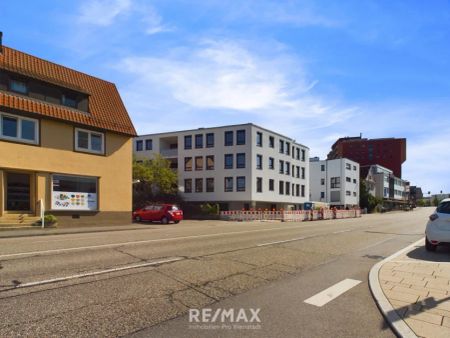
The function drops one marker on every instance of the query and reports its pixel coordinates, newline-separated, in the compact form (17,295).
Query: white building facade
(238,166)
(335,182)
(382,183)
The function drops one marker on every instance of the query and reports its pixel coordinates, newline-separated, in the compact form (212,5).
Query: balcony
(169,153)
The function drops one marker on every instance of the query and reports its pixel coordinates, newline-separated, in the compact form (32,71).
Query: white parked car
(438,227)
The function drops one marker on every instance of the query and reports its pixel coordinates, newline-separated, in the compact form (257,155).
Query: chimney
(1,45)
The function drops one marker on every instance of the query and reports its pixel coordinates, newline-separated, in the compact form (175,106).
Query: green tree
(157,174)
(366,200)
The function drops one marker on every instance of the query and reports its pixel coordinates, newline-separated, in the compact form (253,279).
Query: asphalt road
(141,283)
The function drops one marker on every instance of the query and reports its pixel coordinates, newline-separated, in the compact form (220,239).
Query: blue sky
(312,70)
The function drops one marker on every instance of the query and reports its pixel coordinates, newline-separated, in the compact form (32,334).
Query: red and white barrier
(288,215)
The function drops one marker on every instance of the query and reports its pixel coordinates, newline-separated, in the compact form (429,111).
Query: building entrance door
(17,192)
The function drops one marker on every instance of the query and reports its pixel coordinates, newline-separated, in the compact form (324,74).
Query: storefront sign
(64,200)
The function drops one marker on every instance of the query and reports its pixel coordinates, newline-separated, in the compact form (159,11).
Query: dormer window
(69,101)
(18,87)
(89,141)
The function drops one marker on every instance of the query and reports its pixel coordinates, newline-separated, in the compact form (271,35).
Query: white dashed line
(332,292)
(95,273)
(286,241)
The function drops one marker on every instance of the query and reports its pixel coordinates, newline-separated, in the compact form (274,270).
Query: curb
(398,325)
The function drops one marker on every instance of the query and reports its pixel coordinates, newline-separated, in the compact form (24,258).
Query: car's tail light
(433,217)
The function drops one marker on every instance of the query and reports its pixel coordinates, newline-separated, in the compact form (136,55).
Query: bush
(49,220)
(210,209)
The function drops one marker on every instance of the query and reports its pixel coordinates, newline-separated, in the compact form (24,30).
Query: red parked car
(163,213)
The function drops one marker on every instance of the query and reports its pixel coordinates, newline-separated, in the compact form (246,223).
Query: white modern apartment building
(382,183)
(238,166)
(334,181)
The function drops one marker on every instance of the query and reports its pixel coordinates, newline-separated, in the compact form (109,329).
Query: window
(149,144)
(348,179)
(303,155)
(69,101)
(281,167)
(19,129)
(210,184)
(188,185)
(303,173)
(335,182)
(293,189)
(443,208)
(210,162)
(240,183)
(228,183)
(228,161)
(198,163)
(199,185)
(281,187)
(240,137)
(259,160)
(297,174)
(348,193)
(288,186)
(240,160)
(228,138)
(297,153)
(303,190)
(354,193)
(271,142)
(322,194)
(271,163)
(322,181)
(322,167)
(188,164)
(281,146)
(293,170)
(293,154)
(199,141)
(209,140)
(297,190)
(89,141)
(354,180)
(348,166)
(288,148)
(354,167)
(271,185)
(259,183)
(259,139)
(188,142)
(139,145)
(74,193)
(18,87)
(288,168)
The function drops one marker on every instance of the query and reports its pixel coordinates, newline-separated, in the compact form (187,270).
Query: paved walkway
(417,285)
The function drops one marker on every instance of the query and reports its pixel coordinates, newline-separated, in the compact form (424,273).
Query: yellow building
(65,144)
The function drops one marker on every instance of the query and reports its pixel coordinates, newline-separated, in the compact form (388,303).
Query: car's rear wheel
(429,246)
(164,220)
(138,219)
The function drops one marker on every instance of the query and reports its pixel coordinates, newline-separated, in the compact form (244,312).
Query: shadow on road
(440,255)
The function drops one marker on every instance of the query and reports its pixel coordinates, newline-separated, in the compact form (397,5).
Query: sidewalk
(415,285)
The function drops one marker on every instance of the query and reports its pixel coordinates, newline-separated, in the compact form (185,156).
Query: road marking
(95,273)
(332,292)
(30,253)
(301,238)
(286,241)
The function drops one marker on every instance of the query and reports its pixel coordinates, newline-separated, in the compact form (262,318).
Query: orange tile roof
(106,109)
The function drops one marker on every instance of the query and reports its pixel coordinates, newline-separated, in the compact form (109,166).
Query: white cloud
(154,22)
(103,12)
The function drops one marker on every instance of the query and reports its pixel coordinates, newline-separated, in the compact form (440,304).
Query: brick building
(387,152)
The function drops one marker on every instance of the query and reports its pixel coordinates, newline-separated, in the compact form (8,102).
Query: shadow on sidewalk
(440,255)
(419,307)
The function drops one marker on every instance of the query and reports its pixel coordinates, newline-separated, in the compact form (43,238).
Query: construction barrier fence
(288,215)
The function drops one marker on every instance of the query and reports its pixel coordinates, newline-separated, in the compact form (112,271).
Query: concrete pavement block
(390,278)
(404,297)
(410,291)
(424,329)
(446,322)
(425,317)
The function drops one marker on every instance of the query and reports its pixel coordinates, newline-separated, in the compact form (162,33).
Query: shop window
(74,193)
